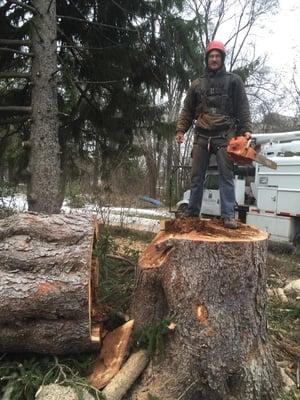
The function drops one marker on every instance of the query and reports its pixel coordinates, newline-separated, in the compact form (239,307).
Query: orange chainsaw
(241,152)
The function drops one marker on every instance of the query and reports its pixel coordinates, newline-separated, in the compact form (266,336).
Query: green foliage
(6,208)
(112,70)
(6,189)
(247,70)
(153,337)
(290,396)
(105,245)
(22,375)
(116,281)
(283,316)
(151,397)
(74,195)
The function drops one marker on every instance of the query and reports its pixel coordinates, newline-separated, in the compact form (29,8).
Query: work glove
(247,135)
(179,137)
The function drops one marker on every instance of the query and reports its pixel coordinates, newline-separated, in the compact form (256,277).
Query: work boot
(188,214)
(230,223)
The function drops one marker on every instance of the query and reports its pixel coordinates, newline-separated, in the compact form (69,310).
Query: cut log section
(113,352)
(212,281)
(125,378)
(47,290)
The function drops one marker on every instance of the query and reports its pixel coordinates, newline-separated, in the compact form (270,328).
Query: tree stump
(48,275)
(213,282)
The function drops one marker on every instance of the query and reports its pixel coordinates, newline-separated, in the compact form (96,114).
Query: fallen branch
(121,258)
(288,345)
(297,375)
(124,379)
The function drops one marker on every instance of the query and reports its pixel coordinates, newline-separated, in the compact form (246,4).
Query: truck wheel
(296,240)
(179,213)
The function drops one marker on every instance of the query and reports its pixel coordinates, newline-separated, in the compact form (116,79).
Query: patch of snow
(127,217)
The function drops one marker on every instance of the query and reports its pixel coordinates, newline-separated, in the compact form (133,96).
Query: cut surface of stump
(212,281)
(48,273)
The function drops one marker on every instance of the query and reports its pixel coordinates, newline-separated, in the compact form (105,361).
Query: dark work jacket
(237,110)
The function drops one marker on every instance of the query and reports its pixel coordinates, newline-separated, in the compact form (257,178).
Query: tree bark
(212,281)
(47,299)
(44,164)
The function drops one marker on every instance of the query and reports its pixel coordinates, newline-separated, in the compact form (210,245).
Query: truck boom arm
(263,138)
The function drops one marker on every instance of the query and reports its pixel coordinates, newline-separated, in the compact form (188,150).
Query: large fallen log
(212,281)
(47,279)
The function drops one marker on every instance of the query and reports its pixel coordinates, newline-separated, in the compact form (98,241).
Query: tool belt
(214,122)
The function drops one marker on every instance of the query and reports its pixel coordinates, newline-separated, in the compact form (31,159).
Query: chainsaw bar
(265,161)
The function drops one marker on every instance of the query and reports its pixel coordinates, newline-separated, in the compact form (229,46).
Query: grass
(116,281)
(284,318)
(152,337)
(22,375)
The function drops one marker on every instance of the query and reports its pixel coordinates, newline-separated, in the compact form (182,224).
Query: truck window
(211,182)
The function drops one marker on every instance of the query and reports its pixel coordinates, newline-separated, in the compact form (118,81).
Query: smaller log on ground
(213,281)
(129,373)
(46,289)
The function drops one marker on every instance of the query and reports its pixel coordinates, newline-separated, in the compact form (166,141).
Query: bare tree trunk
(96,167)
(213,282)
(48,275)
(152,151)
(43,190)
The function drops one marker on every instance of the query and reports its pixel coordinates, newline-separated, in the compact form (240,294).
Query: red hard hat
(215,45)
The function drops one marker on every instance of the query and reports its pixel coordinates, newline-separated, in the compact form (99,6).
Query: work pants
(202,150)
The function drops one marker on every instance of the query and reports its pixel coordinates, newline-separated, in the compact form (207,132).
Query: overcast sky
(280,38)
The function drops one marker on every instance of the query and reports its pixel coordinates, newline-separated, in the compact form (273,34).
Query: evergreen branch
(23,53)
(8,75)
(90,48)
(15,41)
(11,122)
(97,82)
(98,24)
(199,21)
(16,108)
(81,91)
(96,27)
(25,6)
(120,7)
(9,134)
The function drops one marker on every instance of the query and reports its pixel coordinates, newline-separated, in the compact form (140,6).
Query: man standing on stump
(218,106)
